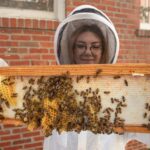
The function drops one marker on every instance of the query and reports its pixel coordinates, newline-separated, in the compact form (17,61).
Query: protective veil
(86,140)
(84,15)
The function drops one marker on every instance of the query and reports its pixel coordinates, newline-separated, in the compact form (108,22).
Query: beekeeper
(88,36)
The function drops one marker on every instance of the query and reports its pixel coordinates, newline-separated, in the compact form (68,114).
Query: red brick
(33,145)
(13,22)
(109,2)
(77,3)
(113,9)
(49,24)
(51,51)
(10,137)
(28,23)
(94,1)
(18,50)
(8,43)
(4,132)
(31,57)
(28,31)
(68,2)
(2,50)
(5,144)
(19,63)
(4,37)
(39,138)
(19,147)
(68,10)
(10,30)
(31,134)
(20,130)
(46,44)
(20,37)
(53,63)
(35,23)
(22,141)
(10,57)
(39,62)
(38,50)
(42,24)
(5,22)
(29,44)
(55,24)
(41,38)
(21,23)
(50,57)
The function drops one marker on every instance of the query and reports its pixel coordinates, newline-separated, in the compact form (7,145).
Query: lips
(87,58)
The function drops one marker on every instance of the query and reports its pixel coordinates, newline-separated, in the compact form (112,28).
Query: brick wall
(27,42)
(19,138)
(30,42)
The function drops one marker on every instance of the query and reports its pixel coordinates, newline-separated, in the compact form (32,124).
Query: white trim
(145,26)
(59,9)
(58,14)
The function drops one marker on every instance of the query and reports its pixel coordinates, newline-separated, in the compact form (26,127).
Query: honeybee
(117,77)
(98,71)
(126,82)
(106,92)
(145,115)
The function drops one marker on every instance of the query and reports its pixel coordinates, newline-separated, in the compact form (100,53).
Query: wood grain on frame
(106,69)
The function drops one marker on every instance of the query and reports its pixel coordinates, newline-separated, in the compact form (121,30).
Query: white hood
(85,15)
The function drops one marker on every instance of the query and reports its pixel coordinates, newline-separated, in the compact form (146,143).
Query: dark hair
(94,29)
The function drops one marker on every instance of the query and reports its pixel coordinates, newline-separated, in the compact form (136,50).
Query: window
(36,9)
(145,15)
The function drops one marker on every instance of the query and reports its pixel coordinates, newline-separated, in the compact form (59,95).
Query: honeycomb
(7,89)
(64,103)
(50,115)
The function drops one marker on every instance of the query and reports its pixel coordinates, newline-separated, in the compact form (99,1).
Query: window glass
(33,9)
(145,14)
(44,5)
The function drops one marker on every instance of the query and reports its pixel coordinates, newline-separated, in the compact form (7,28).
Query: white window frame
(144,25)
(57,14)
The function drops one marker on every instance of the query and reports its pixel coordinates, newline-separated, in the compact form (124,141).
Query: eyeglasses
(92,47)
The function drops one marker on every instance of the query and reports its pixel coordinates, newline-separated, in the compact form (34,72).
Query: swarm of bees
(51,103)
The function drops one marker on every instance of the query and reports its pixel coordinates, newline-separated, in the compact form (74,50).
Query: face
(88,48)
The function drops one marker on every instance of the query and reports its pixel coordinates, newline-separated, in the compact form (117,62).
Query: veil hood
(85,15)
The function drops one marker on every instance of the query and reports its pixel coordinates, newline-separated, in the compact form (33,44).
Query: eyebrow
(82,42)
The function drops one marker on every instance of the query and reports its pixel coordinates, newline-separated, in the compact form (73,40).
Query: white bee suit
(3,63)
(86,140)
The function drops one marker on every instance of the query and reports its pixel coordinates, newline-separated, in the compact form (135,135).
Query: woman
(88,46)
(87,36)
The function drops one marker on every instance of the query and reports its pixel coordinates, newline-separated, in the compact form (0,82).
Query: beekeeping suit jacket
(86,140)
(3,63)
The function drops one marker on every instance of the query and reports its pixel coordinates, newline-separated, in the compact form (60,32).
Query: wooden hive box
(116,93)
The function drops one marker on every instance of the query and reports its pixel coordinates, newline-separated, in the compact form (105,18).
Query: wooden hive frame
(106,70)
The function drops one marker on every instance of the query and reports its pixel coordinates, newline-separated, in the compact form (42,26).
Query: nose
(88,50)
